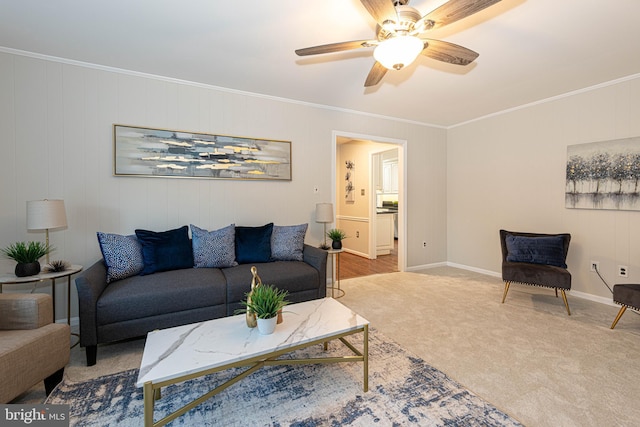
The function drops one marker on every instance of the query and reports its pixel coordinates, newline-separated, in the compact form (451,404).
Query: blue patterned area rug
(403,390)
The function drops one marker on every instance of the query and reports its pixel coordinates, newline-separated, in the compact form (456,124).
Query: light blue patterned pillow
(214,249)
(287,242)
(122,255)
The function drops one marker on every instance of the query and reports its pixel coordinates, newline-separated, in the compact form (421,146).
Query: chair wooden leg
(566,303)
(506,289)
(620,313)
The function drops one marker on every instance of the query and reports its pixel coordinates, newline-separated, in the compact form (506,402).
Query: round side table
(12,279)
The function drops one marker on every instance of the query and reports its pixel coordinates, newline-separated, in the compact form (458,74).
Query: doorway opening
(369,196)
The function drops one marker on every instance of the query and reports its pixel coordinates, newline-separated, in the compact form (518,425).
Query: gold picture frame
(166,153)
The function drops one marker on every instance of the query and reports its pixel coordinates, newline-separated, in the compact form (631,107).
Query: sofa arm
(90,285)
(25,311)
(317,258)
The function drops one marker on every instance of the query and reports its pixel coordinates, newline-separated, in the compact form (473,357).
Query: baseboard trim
(594,298)
(426,266)
(474,269)
(578,294)
(360,254)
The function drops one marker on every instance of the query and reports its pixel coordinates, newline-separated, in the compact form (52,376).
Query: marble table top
(189,349)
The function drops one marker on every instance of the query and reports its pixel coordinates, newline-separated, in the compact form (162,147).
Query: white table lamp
(324,214)
(46,215)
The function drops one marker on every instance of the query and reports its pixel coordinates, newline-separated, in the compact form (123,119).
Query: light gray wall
(508,171)
(56,136)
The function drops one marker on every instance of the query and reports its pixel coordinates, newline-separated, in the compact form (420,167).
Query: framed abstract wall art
(165,153)
(604,175)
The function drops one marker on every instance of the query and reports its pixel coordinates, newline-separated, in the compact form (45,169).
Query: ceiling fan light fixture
(397,52)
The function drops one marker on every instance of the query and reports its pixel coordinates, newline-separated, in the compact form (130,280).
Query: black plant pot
(336,244)
(27,269)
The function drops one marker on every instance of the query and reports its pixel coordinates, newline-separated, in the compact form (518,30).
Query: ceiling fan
(397,42)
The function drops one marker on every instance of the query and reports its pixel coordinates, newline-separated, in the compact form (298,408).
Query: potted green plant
(27,256)
(336,235)
(265,301)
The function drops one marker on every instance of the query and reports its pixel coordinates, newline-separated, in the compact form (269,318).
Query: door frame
(402,187)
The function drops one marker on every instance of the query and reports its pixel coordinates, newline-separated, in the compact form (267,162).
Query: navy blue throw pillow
(548,250)
(253,244)
(166,250)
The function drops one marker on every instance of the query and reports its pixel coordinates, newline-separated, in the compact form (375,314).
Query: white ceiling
(530,50)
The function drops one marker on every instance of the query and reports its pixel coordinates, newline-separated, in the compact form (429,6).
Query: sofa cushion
(214,249)
(293,276)
(166,250)
(253,244)
(287,242)
(161,293)
(547,250)
(122,255)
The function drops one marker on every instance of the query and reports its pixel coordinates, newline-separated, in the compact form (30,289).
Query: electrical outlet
(623,271)
(424,244)
(595,266)
(357,234)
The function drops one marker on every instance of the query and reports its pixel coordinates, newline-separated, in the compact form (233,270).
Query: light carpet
(403,390)
(526,356)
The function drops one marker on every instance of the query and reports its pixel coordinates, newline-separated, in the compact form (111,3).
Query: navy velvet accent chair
(536,259)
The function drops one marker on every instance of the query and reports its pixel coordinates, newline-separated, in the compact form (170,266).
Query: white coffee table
(185,352)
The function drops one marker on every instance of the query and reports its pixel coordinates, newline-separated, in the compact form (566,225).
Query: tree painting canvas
(604,175)
(168,153)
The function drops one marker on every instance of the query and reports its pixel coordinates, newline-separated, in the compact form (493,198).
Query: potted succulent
(265,302)
(336,235)
(27,256)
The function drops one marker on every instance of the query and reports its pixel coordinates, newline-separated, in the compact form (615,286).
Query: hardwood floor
(356,266)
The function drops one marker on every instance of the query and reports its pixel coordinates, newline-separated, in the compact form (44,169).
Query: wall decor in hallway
(350,194)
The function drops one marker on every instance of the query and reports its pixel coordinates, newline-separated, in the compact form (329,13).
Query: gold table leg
(53,296)
(336,291)
(69,300)
(365,354)
(148,395)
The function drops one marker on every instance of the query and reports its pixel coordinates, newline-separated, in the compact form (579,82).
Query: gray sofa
(134,306)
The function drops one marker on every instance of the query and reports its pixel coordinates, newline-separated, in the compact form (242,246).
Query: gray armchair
(536,259)
(32,347)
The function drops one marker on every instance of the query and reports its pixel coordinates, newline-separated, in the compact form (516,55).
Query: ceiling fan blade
(335,47)
(381,10)
(449,52)
(454,10)
(375,75)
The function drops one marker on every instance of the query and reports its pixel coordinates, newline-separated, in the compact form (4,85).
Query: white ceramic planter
(267,326)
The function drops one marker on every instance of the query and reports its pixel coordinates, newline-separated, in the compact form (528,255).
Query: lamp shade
(46,214)
(398,52)
(324,212)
